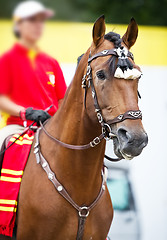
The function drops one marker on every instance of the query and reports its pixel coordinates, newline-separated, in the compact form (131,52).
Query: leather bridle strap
(107,53)
(93,143)
(131,114)
(83,211)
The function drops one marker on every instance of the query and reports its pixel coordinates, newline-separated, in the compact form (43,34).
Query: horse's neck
(79,170)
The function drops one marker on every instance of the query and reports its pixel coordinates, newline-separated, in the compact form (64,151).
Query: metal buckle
(84,212)
(95,142)
(106,130)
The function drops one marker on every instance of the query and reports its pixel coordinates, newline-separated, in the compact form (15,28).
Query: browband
(107,53)
(125,68)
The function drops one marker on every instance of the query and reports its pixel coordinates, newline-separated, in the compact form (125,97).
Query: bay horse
(43,213)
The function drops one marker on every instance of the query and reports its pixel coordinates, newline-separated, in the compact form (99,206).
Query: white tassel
(128,74)
(136,73)
(119,73)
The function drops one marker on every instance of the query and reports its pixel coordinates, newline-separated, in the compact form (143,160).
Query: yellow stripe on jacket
(11,172)
(8,209)
(10,179)
(6,201)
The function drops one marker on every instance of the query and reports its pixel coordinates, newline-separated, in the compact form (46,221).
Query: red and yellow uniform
(30,79)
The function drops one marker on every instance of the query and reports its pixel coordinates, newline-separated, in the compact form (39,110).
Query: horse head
(115,77)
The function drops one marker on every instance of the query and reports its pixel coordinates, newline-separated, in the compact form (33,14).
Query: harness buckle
(95,142)
(83,211)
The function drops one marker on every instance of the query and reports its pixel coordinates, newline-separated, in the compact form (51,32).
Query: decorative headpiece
(124,66)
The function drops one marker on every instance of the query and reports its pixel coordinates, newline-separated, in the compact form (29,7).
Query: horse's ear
(99,29)
(129,38)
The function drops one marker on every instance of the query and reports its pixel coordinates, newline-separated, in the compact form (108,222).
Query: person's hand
(34,115)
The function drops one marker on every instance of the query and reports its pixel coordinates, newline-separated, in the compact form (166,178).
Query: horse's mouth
(118,152)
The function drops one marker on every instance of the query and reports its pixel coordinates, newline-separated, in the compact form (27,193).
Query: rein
(87,81)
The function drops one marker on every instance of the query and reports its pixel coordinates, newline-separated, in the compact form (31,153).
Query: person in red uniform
(30,80)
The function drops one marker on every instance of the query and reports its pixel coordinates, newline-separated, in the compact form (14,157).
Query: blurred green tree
(147,12)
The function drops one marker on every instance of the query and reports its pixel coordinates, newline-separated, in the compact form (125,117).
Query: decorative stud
(135,114)
(44,164)
(36,150)
(93,94)
(50,176)
(36,145)
(104,187)
(60,188)
(120,117)
(100,118)
(104,52)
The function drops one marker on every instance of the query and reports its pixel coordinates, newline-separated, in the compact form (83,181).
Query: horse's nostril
(124,135)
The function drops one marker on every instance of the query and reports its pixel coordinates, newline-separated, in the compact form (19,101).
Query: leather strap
(131,114)
(81,226)
(105,53)
(93,143)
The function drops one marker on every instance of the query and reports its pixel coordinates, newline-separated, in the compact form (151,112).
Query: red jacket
(31,80)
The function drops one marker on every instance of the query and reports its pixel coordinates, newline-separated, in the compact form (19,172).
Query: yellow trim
(10,179)
(32,54)
(50,73)
(5,201)
(13,172)
(25,136)
(8,209)
(53,85)
(23,142)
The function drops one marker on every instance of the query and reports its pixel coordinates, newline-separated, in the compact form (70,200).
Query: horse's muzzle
(131,143)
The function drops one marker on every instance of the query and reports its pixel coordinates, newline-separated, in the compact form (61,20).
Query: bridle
(107,134)
(87,81)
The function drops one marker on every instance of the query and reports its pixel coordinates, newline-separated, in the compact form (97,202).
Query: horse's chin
(118,152)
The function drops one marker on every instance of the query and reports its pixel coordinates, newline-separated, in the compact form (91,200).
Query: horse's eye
(101,75)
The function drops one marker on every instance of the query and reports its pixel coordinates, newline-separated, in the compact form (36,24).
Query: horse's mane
(114,38)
